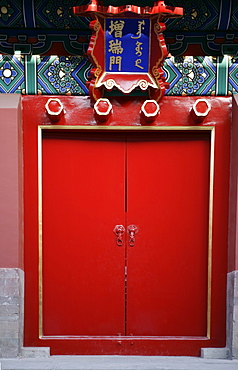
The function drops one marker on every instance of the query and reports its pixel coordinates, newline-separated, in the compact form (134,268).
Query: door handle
(132,230)
(119,231)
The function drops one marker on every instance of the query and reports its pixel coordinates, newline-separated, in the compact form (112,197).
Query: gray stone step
(116,363)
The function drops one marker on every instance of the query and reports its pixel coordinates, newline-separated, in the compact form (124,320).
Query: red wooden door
(83,179)
(168,200)
(149,288)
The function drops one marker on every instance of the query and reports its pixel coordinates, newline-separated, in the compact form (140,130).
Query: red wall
(11,198)
(233,224)
(11,195)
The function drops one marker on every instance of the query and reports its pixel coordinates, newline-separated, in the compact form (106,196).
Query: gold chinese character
(115,47)
(138,62)
(140,29)
(139,48)
(116,61)
(116,26)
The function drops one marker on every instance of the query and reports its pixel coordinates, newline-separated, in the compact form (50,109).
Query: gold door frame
(41,128)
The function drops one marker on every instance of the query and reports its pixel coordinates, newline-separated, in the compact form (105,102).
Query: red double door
(151,282)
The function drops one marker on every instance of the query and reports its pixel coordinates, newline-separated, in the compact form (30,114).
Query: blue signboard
(127,45)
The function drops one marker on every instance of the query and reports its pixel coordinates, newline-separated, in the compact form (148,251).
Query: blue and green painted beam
(62,75)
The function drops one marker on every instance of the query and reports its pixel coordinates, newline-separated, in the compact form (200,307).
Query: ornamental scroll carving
(127,47)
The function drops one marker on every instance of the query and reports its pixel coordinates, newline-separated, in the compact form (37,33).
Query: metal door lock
(132,230)
(119,231)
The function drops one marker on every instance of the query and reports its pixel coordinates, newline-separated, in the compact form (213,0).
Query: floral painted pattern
(11,74)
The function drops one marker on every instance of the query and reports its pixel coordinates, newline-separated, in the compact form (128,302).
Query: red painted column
(232,276)
(233,227)
(11,194)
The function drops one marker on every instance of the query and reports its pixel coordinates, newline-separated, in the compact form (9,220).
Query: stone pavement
(116,363)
